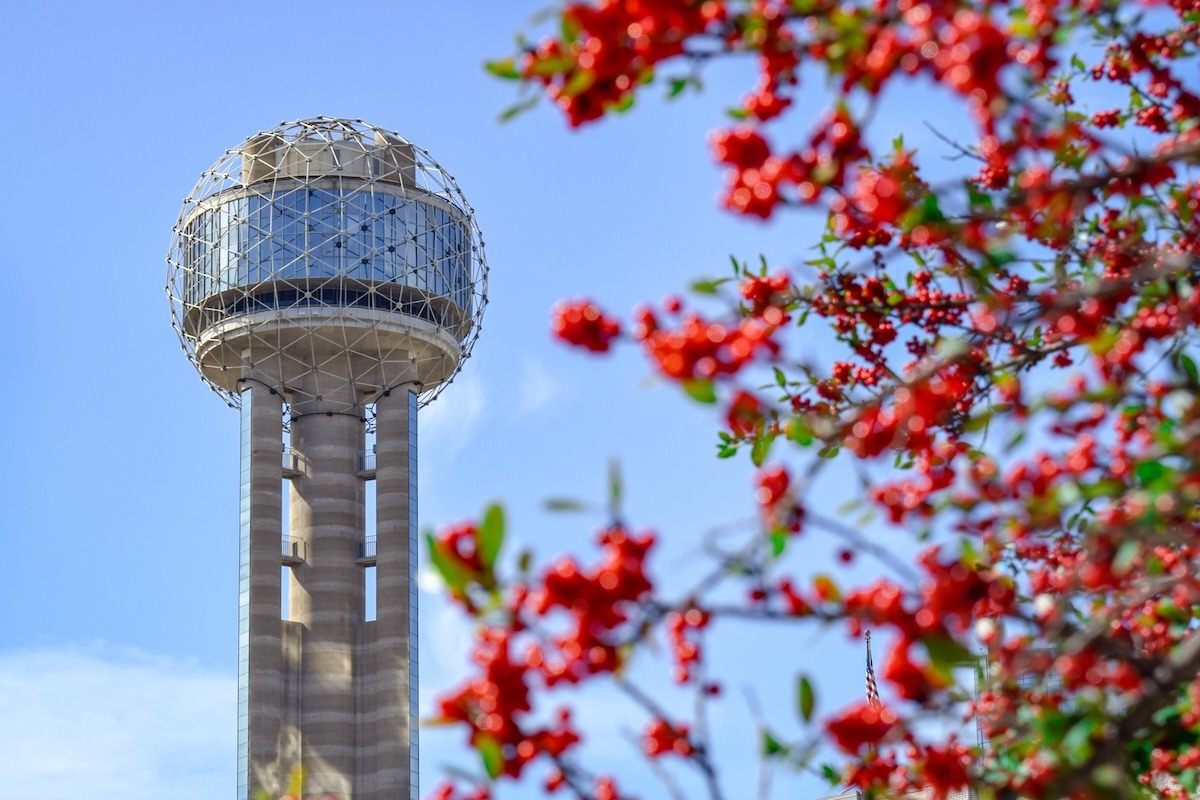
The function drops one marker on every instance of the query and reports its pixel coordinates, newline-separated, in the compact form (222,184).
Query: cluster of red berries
(684,651)
(758,181)
(583,324)
(873,311)
(495,703)
(661,737)
(861,726)
(781,512)
(595,602)
(744,415)
(766,293)
(909,423)
(610,48)
(701,348)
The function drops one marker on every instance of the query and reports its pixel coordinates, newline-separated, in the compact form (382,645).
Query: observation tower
(327,277)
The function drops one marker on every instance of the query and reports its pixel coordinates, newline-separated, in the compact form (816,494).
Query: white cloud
(447,424)
(105,722)
(539,387)
(450,648)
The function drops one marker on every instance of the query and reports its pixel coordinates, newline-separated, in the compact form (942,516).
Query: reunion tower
(327,277)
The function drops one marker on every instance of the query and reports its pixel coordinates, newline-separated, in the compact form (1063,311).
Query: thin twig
(700,756)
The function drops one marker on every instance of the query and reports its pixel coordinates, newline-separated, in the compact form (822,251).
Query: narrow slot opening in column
(369,542)
(285,575)
(369,593)
(288,548)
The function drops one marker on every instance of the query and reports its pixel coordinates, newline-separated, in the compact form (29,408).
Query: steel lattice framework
(332,260)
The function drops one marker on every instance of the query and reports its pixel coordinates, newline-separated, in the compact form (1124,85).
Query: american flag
(872,689)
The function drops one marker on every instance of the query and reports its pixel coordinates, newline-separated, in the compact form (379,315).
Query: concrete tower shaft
(323,686)
(327,277)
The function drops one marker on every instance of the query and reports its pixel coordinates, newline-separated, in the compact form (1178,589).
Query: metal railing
(292,550)
(291,463)
(366,549)
(366,463)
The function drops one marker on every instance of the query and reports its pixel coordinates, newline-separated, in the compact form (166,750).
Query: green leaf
(980,421)
(578,83)
(978,199)
(1150,471)
(971,558)
(491,535)
(780,378)
(985,792)
(622,105)
(489,750)
(726,450)
(448,567)
(676,86)
(847,506)
(771,745)
(708,286)
(945,654)
(1165,715)
(1077,63)
(998,257)
(1127,555)
(930,211)
(762,446)
(438,722)
(701,390)
(1077,743)
(518,108)
(778,543)
(545,67)
(568,29)
(1189,368)
(805,698)
(615,492)
(866,517)
(827,588)
(564,504)
(799,432)
(505,68)
(832,775)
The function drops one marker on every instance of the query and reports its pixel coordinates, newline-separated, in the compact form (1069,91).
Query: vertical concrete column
(327,513)
(260,684)
(395,599)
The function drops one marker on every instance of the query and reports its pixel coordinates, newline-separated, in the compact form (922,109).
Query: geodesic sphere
(331,260)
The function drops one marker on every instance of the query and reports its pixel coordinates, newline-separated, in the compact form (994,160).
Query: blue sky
(118,564)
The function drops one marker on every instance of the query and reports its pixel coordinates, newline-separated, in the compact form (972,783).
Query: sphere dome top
(331,260)
(255,151)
